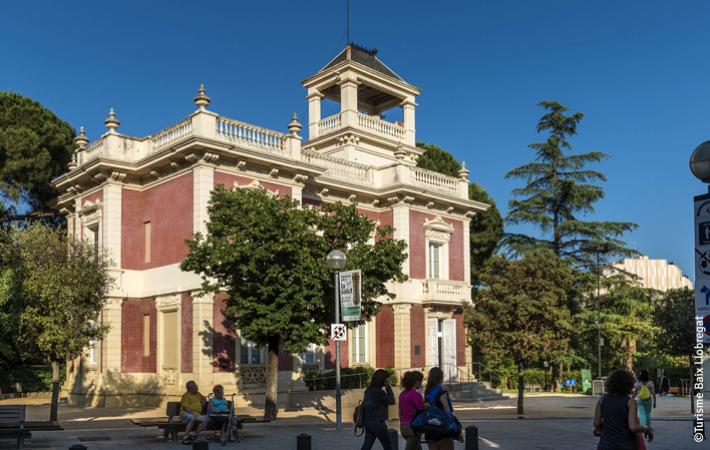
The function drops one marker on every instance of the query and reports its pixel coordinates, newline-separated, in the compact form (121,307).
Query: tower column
(348,100)
(314,98)
(408,107)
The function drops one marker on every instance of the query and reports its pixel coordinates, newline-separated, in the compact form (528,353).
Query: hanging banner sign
(350,295)
(702,261)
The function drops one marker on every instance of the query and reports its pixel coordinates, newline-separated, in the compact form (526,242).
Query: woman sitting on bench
(191,406)
(219,414)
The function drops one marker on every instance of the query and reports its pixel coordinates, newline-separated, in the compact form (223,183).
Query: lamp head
(700,162)
(336,260)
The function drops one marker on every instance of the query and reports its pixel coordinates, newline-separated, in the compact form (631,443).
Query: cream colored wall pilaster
(202,185)
(400,222)
(348,99)
(402,335)
(111,343)
(202,318)
(111,232)
(467,251)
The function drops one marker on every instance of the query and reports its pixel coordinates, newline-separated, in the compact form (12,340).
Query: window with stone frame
(358,345)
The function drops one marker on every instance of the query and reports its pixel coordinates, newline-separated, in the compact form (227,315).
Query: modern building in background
(140,198)
(656,273)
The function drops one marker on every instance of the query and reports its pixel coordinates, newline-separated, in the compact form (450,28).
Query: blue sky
(639,70)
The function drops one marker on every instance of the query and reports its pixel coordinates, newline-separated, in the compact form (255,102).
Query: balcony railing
(381,127)
(445,290)
(329,124)
(171,135)
(339,168)
(234,130)
(435,181)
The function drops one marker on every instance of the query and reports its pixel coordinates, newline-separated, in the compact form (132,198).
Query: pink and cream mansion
(140,198)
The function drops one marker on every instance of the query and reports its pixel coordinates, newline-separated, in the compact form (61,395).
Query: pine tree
(559,190)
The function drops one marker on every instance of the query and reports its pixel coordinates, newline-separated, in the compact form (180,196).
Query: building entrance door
(432,343)
(448,347)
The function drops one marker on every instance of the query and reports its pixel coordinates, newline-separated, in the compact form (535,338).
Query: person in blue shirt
(218,410)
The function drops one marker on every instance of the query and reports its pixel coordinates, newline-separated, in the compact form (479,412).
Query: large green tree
(486,229)
(52,289)
(559,191)
(35,146)
(625,319)
(674,317)
(520,311)
(268,254)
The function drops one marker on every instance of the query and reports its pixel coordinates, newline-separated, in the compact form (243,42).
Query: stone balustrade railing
(211,126)
(329,124)
(435,181)
(234,130)
(447,290)
(340,168)
(172,134)
(381,127)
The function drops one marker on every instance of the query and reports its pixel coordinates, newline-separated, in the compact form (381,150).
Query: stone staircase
(474,391)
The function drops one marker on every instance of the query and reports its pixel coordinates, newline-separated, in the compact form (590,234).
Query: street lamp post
(335,262)
(598,248)
(700,166)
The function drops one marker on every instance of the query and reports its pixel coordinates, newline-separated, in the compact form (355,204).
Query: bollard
(77,447)
(303,442)
(394,438)
(200,444)
(472,437)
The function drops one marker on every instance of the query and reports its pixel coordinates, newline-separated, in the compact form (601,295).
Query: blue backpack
(434,422)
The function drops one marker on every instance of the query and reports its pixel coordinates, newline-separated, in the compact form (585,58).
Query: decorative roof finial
(294,127)
(81,140)
(111,121)
(202,100)
(463,172)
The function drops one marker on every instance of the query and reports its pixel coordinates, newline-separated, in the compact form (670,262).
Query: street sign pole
(338,405)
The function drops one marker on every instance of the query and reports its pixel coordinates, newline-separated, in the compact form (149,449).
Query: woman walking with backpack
(645,397)
(435,395)
(410,401)
(378,397)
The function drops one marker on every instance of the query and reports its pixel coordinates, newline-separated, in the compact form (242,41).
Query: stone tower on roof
(365,88)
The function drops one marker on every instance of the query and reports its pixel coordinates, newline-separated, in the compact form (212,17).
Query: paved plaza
(552,422)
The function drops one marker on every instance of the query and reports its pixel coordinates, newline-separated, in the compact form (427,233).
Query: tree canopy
(269,255)
(486,229)
(520,312)
(35,146)
(52,289)
(559,190)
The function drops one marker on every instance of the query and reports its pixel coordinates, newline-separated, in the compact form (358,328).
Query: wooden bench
(171,425)
(12,423)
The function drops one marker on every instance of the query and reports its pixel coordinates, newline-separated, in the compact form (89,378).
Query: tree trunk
(271,408)
(55,392)
(556,376)
(521,388)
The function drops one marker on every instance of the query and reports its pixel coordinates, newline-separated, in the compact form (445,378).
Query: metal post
(599,323)
(471,437)
(303,442)
(338,405)
(394,438)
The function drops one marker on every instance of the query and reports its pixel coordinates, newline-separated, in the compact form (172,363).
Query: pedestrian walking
(615,415)
(435,395)
(378,398)
(645,397)
(410,401)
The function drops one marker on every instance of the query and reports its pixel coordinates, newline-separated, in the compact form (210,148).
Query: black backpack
(359,419)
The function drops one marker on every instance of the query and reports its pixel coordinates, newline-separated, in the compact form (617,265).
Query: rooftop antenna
(347,20)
